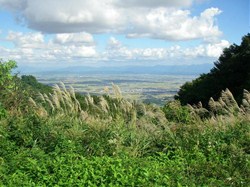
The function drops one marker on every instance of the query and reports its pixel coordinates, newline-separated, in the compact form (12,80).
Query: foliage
(232,71)
(177,113)
(63,139)
(15,92)
(30,82)
(7,85)
(225,106)
(5,74)
(3,112)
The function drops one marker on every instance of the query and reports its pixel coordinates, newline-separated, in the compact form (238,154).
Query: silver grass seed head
(40,96)
(32,102)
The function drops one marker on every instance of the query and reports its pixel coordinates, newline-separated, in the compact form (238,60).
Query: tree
(6,78)
(15,91)
(232,71)
(6,83)
(29,82)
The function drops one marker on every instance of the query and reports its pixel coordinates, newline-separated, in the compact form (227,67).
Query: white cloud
(158,19)
(30,40)
(62,16)
(215,50)
(155,3)
(70,25)
(113,43)
(172,24)
(69,52)
(74,38)
(33,48)
(120,52)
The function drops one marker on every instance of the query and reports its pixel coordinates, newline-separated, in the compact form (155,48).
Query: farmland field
(144,87)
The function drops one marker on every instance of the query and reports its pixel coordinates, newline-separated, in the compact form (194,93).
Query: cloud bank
(33,48)
(64,31)
(158,19)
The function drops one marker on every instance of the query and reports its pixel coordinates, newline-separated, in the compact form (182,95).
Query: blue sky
(60,33)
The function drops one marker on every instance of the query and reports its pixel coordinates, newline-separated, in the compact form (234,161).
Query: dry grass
(148,121)
(225,105)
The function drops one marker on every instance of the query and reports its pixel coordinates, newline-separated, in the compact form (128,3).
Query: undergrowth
(62,139)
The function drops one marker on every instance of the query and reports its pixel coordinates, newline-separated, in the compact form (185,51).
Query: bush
(177,113)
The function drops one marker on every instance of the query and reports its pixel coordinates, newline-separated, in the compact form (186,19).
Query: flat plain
(149,88)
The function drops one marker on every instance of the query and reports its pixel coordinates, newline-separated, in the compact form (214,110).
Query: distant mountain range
(172,70)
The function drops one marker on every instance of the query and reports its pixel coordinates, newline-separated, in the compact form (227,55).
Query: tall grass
(207,147)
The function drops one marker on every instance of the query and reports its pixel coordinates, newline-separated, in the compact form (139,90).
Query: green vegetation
(55,137)
(231,71)
(30,81)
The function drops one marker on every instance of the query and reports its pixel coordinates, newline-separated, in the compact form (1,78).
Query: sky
(63,33)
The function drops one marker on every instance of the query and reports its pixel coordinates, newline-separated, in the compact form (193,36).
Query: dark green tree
(30,82)
(231,70)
